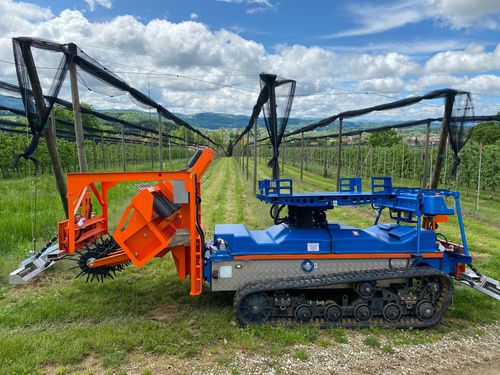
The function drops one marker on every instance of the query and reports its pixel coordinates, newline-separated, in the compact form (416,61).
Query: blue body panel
(406,205)
(280,239)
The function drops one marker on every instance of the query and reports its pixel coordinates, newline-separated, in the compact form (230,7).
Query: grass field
(59,324)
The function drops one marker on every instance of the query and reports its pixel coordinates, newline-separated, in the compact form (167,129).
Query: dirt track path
(473,353)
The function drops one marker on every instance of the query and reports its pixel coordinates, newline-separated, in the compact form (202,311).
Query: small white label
(312,246)
(355,233)
(225,272)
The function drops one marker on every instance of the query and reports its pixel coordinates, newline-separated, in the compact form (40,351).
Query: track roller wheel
(333,313)
(303,313)
(363,312)
(366,289)
(425,310)
(254,308)
(392,312)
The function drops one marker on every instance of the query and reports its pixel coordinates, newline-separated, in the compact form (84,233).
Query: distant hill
(212,120)
(205,120)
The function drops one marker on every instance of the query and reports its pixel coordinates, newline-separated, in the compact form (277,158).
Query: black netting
(436,94)
(13,127)
(460,125)
(96,85)
(37,108)
(101,74)
(12,89)
(276,112)
(257,108)
(91,74)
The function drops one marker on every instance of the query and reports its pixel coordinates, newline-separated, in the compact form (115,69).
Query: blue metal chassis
(410,205)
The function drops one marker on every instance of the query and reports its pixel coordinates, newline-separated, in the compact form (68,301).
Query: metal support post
(339,154)
(77,118)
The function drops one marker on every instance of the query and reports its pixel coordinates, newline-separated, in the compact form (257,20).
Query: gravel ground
(474,353)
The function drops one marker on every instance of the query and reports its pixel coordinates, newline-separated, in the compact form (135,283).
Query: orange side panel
(141,239)
(441,218)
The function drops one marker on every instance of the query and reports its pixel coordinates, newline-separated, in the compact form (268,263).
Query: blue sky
(343,54)
(311,23)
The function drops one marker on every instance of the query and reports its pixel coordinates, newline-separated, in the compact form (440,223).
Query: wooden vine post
(170,153)
(122,148)
(479,176)
(302,156)
(426,156)
(283,157)
(186,140)
(339,154)
(160,142)
(77,119)
(248,154)
(49,135)
(358,157)
(255,157)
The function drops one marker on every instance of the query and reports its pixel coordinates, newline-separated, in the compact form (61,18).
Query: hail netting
(460,126)
(276,111)
(37,108)
(13,93)
(91,74)
(257,108)
(101,74)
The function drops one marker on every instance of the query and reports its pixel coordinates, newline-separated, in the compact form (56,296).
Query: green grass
(388,349)
(339,335)
(58,321)
(372,342)
(302,355)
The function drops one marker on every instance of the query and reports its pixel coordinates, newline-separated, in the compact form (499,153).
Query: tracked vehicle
(303,269)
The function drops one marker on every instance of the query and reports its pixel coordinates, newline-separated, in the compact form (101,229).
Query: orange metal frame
(188,259)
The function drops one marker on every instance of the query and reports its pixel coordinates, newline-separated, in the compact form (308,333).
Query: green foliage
(372,341)
(384,139)
(487,132)
(339,335)
(99,155)
(388,349)
(59,321)
(302,355)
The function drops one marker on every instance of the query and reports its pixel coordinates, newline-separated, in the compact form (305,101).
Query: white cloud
(384,85)
(257,6)
(194,16)
(473,59)
(410,47)
(182,60)
(484,83)
(433,80)
(379,18)
(457,14)
(466,13)
(104,3)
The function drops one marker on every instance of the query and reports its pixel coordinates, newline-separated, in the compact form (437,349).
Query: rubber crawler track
(306,282)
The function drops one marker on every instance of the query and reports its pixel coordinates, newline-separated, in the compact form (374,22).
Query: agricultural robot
(303,269)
